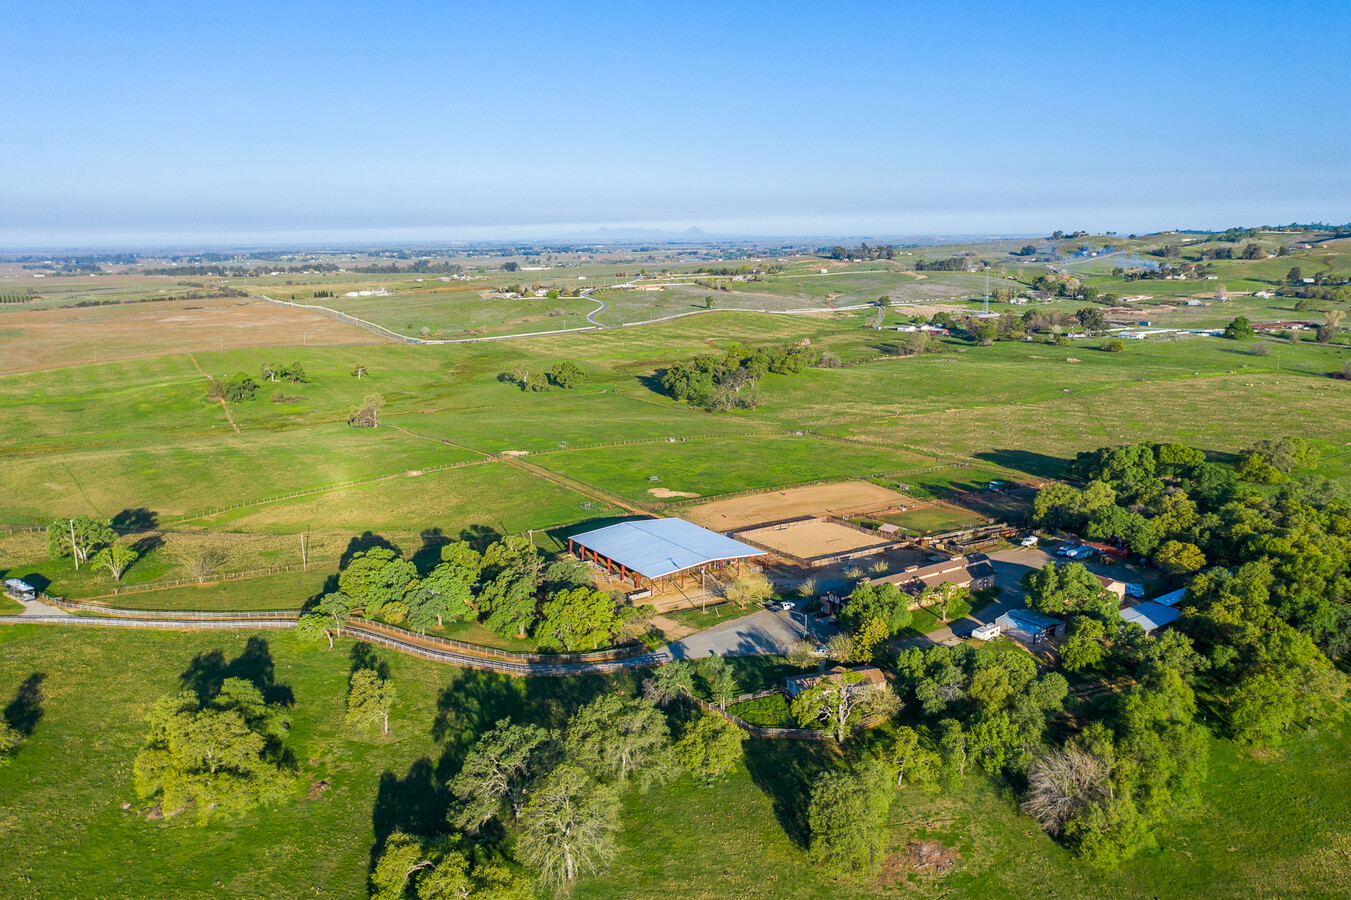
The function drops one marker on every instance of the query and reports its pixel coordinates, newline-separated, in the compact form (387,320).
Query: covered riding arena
(658,552)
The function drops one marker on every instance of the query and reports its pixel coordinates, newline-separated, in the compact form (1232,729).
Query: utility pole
(74,552)
(304,560)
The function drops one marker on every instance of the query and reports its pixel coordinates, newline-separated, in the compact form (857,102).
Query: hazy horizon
(153,124)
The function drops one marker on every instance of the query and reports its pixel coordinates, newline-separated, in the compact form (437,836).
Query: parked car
(1065,550)
(820,650)
(785,606)
(1029,541)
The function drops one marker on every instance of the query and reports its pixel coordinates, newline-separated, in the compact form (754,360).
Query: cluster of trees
(275,372)
(951,264)
(366,414)
(566,374)
(508,587)
(552,796)
(236,388)
(862,251)
(721,382)
(89,541)
(1267,610)
(1271,460)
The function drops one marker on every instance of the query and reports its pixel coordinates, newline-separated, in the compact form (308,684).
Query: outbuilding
(1150,615)
(1030,626)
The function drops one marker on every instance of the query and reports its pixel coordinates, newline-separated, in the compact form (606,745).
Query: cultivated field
(65,336)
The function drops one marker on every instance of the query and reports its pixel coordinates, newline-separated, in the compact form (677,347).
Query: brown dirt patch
(835,499)
(47,338)
(810,539)
(667,493)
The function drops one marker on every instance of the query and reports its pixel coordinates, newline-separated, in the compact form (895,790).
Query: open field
(45,338)
(821,499)
(813,538)
(1272,826)
(928,519)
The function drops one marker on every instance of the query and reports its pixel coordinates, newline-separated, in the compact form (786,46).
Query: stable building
(658,552)
(1030,626)
(1151,615)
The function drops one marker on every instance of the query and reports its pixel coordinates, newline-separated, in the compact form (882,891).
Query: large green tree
(220,756)
(568,827)
(617,738)
(882,601)
(580,619)
(1061,590)
(78,537)
(499,772)
(710,747)
(845,815)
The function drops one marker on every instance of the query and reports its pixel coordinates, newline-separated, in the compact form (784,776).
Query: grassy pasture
(724,466)
(1273,827)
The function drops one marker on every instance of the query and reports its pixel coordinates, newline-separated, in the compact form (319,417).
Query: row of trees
(566,374)
(508,588)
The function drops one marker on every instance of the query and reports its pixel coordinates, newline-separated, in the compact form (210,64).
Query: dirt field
(46,338)
(835,499)
(811,539)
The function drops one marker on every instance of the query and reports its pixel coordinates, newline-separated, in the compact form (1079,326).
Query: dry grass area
(773,506)
(47,338)
(812,538)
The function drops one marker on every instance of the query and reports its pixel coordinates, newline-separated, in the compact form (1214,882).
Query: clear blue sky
(134,121)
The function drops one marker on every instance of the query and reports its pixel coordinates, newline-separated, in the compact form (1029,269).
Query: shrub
(1113,346)
(1261,349)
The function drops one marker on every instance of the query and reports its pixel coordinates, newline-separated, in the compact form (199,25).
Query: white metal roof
(1150,615)
(658,547)
(1170,599)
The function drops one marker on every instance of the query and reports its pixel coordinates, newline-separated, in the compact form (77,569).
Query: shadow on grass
(139,519)
(1039,465)
(364,656)
(415,804)
(25,711)
(786,772)
(208,671)
(362,543)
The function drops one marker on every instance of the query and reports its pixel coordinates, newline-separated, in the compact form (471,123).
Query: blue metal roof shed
(1150,615)
(656,548)
(1170,599)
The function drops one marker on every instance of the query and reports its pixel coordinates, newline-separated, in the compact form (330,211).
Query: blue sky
(183,122)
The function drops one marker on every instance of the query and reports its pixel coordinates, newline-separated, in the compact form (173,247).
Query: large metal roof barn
(654,549)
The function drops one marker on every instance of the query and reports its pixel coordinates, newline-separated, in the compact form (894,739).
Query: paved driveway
(759,633)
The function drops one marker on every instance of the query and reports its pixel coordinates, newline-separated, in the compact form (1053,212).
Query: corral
(776,506)
(817,540)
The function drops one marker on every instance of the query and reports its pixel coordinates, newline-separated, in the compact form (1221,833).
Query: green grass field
(1273,827)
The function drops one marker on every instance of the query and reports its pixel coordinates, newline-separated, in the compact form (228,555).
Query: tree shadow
(25,711)
(365,541)
(414,804)
(148,543)
(364,656)
(429,554)
(139,519)
(208,671)
(480,536)
(653,383)
(37,582)
(786,770)
(330,586)
(1037,464)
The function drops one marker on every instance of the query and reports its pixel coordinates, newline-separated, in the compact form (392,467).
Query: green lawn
(768,712)
(929,519)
